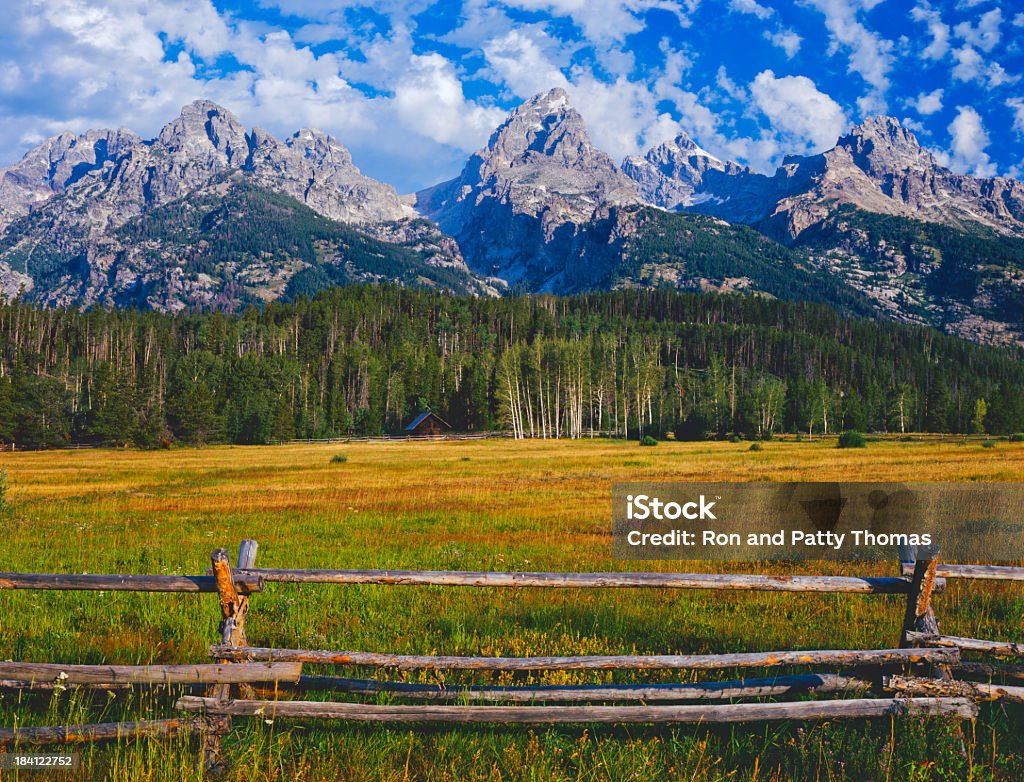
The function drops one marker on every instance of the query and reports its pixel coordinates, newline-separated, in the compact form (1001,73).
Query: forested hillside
(365,359)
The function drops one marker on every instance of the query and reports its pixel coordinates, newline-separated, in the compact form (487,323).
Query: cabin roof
(423,417)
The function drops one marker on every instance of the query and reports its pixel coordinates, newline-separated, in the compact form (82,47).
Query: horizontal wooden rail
(735,712)
(997,648)
(20,684)
(582,693)
(832,657)
(850,584)
(122,582)
(104,731)
(989,670)
(979,572)
(915,685)
(152,674)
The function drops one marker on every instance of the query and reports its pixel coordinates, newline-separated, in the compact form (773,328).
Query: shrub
(1017,437)
(988,443)
(735,439)
(648,440)
(339,458)
(756,447)
(851,439)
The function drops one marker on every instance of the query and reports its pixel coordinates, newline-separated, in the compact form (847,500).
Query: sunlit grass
(489,505)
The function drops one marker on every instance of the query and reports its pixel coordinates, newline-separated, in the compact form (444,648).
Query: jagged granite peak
(520,200)
(65,206)
(199,147)
(546,135)
(670,174)
(56,164)
(879,166)
(204,128)
(316,169)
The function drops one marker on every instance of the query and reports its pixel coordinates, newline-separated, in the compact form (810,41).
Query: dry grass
(495,504)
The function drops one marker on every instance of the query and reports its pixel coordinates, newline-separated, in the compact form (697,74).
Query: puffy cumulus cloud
(870,55)
(939,31)
(136,62)
(798,110)
(970,66)
(518,60)
(968,140)
(82,64)
(1016,105)
(750,7)
(607,21)
(785,39)
(928,102)
(430,98)
(986,34)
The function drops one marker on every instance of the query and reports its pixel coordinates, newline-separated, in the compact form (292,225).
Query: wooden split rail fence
(923,675)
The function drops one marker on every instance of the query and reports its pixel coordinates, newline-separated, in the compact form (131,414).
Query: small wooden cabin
(426,425)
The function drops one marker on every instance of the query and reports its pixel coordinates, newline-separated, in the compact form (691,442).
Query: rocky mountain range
(212,214)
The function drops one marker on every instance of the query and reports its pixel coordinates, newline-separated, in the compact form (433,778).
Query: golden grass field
(488,505)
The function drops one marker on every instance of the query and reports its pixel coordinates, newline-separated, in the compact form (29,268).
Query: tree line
(364,360)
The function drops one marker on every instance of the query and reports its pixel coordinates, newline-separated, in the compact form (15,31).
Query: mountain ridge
(538,208)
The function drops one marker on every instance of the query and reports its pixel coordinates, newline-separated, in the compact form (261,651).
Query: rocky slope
(878,167)
(62,205)
(672,175)
(522,204)
(212,214)
(879,212)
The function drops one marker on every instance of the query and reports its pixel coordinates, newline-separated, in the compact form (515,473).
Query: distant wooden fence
(238,683)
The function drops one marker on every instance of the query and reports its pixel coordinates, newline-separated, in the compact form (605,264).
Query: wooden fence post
(920,617)
(234,607)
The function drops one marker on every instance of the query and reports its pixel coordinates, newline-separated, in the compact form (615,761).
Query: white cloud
(928,102)
(1016,105)
(785,39)
(728,86)
(518,60)
(605,21)
(115,54)
(430,98)
(968,140)
(986,34)
(938,29)
(870,55)
(997,75)
(798,110)
(750,7)
(969,64)
(971,67)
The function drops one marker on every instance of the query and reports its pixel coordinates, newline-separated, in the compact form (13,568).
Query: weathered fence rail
(773,687)
(533,715)
(237,684)
(752,582)
(103,731)
(122,583)
(834,658)
(151,674)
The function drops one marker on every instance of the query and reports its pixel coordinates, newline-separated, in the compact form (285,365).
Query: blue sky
(413,87)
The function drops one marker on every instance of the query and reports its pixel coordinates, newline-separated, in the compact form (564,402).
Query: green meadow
(480,505)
